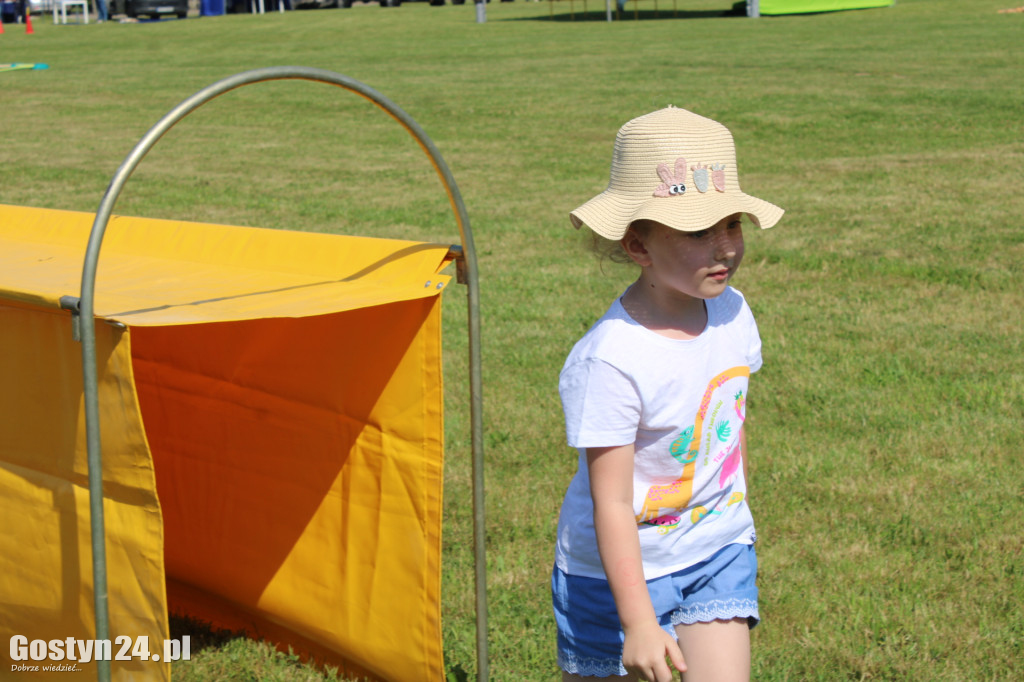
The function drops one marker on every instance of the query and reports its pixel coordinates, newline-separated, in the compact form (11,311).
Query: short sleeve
(754,360)
(602,406)
(748,340)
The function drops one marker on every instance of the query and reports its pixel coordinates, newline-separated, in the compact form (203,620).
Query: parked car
(156,8)
(246,6)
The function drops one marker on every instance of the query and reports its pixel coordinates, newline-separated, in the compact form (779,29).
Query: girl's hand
(645,649)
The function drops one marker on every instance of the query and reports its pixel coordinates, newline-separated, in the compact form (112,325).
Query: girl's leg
(718,651)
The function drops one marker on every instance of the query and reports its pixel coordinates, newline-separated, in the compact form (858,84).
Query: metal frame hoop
(85,332)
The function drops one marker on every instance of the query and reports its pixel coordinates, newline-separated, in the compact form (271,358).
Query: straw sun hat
(676,168)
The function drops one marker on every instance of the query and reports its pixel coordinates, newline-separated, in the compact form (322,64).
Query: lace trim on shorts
(718,609)
(586,666)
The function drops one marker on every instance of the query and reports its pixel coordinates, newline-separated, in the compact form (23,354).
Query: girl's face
(690,264)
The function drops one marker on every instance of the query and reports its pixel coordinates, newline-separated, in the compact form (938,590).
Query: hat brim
(610,213)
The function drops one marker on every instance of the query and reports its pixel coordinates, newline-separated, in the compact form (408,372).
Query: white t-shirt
(682,404)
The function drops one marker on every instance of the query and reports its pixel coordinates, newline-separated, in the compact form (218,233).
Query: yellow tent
(272,441)
(272,437)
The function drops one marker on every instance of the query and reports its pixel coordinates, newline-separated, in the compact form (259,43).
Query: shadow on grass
(457,674)
(201,634)
(667,11)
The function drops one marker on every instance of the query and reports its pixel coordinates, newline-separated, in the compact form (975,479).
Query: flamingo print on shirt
(711,441)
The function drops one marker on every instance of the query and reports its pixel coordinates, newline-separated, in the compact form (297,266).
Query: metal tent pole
(86,333)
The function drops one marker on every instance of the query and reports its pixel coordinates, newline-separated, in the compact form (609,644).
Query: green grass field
(886,425)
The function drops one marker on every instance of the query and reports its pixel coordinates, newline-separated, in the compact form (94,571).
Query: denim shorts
(589,633)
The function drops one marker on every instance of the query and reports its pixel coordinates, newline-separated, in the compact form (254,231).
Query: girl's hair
(611,249)
(608,249)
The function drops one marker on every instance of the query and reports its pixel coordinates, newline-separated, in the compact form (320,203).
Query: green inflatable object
(809,6)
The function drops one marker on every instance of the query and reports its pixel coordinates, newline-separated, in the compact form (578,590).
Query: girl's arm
(611,487)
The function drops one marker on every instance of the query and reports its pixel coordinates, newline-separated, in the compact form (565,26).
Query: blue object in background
(211,8)
(9,12)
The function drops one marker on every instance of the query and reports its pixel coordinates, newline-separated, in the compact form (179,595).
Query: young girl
(655,560)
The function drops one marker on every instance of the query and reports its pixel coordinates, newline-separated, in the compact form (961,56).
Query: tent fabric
(155,272)
(771,7)
(271,416)
(45,548)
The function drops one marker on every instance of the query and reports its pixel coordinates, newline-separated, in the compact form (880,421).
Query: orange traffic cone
(28,21)
(1,27)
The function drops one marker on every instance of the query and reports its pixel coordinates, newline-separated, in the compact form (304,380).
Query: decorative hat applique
(672,185)
(718,176)
(701,178)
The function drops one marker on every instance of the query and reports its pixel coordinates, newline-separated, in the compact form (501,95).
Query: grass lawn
(886,426)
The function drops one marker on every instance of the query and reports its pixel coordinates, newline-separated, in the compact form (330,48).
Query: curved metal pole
(88,331)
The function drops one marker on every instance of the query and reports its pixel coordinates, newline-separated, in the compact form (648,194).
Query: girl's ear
(633,245)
